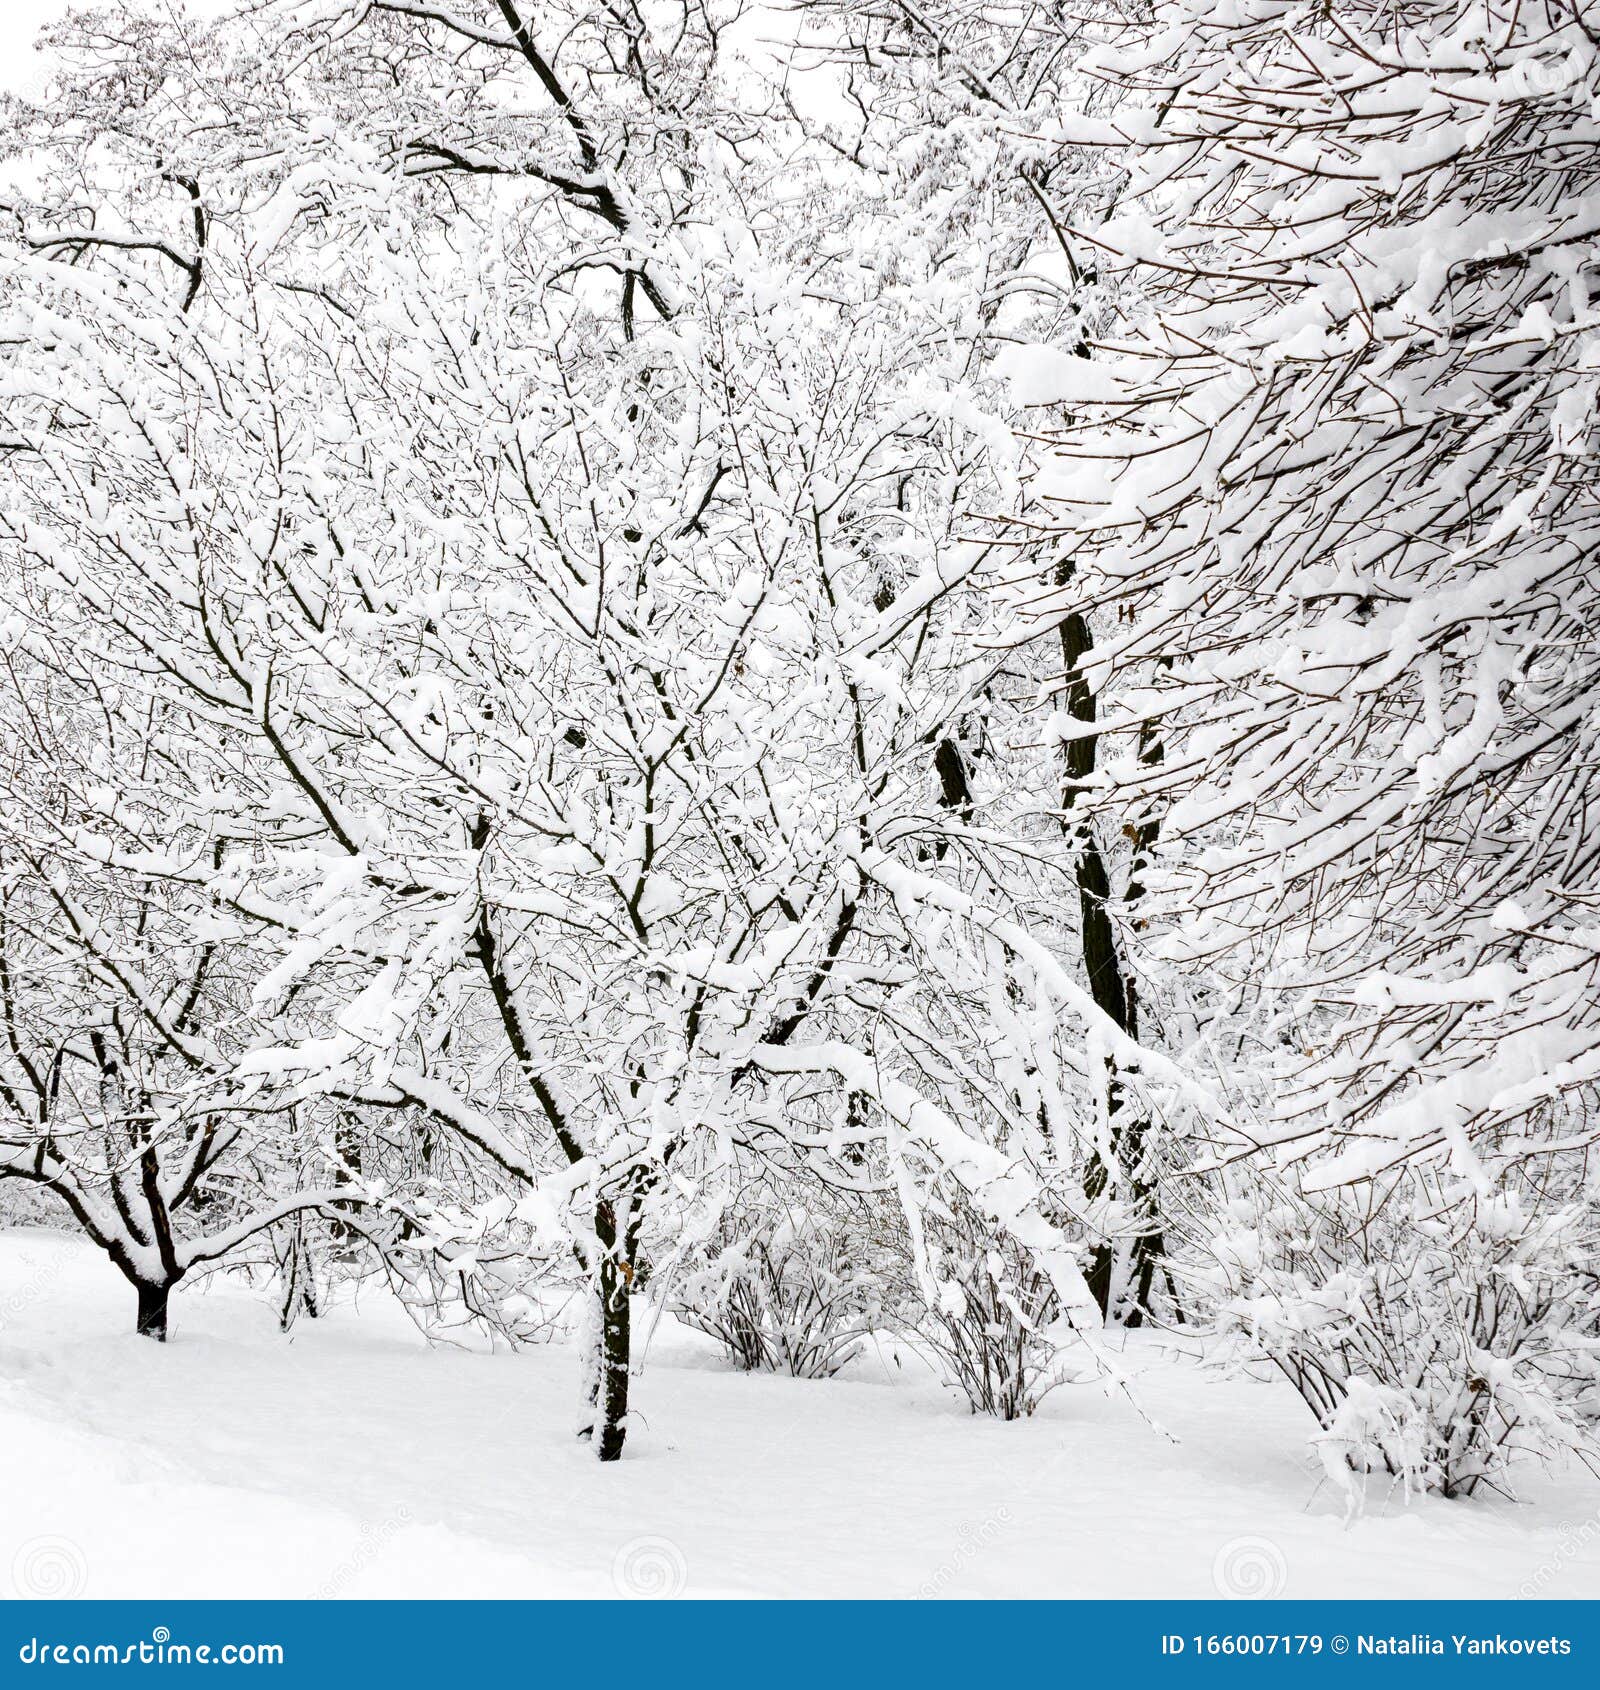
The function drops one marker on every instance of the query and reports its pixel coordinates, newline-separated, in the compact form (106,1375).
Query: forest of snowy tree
(822,669)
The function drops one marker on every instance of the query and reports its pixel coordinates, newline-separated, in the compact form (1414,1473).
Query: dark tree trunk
(611,1337)
(1113,992)
(611,1400)
(299,1288)
(153,1311)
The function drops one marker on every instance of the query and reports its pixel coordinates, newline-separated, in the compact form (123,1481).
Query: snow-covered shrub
(1435,1338)
(31,1205)
(466,1261)
(990,1321)
(787,1292)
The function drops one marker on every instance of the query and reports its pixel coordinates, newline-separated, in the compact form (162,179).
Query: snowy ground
(352,1460)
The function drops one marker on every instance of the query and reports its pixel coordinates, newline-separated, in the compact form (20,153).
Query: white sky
(20,22)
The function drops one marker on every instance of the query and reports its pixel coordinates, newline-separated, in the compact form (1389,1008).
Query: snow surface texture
(351,1460)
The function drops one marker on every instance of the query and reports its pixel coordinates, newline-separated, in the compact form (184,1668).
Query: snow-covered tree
(955,109)
(1329,482)
(117,1016)
(549,537)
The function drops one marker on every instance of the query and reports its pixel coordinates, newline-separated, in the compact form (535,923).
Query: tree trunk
(153,1311)
(611,1399)
(297,1273)
(1126,1266)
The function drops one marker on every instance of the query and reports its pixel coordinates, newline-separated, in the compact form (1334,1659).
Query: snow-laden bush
(31,1205)
(990,1322)
(476,1265)
(1435,1338)
(789,1291)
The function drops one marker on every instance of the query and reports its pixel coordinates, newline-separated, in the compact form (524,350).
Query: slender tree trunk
(153,1310)
(299,1281)
(1120,1273)
(611,1402)
(610,1339)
